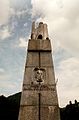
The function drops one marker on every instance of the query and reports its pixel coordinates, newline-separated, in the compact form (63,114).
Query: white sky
(62,17)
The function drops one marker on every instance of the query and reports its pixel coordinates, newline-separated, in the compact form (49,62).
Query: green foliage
(9,108)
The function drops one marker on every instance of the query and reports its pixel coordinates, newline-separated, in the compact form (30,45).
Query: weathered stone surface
(47,113)
(48,97)
(30,98)
(35,45)
(46,59)
(32,59)
(40,32)
(50,78)
(50,113)
(28,113)
(39,96)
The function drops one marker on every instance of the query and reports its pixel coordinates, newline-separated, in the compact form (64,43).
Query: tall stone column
(39,96)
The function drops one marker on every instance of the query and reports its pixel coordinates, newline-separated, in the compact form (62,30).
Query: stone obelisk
(39,96)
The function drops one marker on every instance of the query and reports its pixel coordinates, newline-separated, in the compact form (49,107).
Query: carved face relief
(39,75)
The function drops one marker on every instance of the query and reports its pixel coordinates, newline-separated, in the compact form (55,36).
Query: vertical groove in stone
(39,95)
(39,61)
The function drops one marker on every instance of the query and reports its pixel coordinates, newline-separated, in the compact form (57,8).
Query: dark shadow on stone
(40,37)
(47,38)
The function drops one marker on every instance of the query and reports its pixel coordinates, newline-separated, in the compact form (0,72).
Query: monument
(39,96)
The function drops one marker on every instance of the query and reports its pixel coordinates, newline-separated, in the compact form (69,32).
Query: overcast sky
(62,17)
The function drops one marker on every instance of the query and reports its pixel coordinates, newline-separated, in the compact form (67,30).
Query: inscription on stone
(38,87)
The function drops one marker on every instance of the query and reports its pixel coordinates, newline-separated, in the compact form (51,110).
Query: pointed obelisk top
(39,32)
